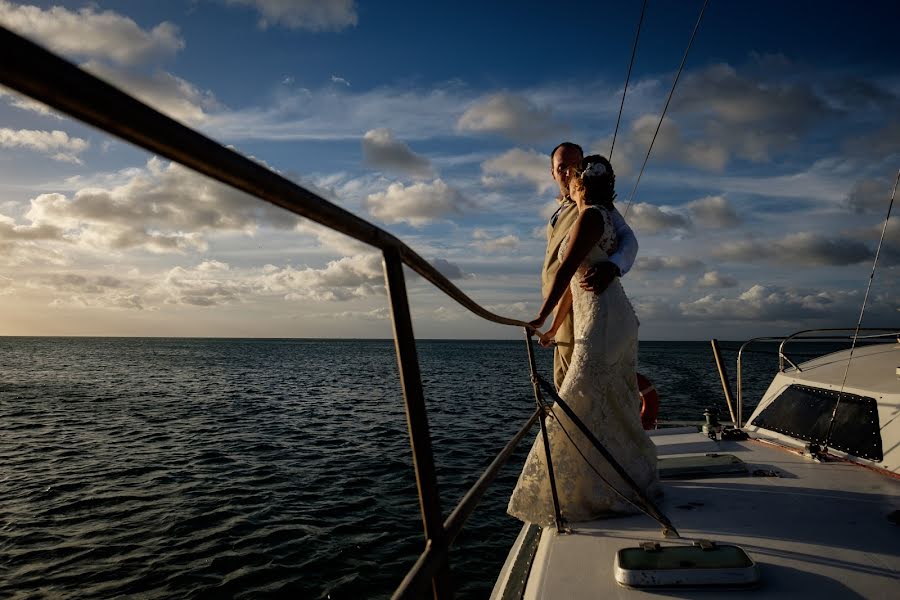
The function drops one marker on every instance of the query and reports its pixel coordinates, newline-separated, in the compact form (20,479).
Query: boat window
(804,413)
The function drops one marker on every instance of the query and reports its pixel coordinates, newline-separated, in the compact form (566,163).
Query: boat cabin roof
(873,370)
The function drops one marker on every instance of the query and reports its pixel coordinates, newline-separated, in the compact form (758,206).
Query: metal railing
(806,335)
(32,70)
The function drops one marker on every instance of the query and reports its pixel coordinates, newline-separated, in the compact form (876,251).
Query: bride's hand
(546,339)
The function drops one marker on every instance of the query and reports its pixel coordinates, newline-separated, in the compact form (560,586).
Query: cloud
(719,115)
(89,291)
(714,211)
(448,269)
(376,314)
(25,103)
(778,304)
(88,33)
(510,115)
(162,208)
(649,219)
(714,279)
(358,276)
(340,80)
(720,91)
(808,249)
(337,113)
(883,142)
(870,196)
(382,151)
(19,253)
(313,15)
(57,144)
(519,166)
(165,92)
(486,242)
(417,204)
(660,263)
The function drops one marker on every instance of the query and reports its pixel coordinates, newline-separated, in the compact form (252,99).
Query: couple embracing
(595,329)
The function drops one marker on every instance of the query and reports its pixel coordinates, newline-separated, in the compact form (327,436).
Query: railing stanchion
(417,418)
(538,398)
(723,376)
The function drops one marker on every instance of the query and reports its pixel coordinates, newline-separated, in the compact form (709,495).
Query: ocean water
(211,468)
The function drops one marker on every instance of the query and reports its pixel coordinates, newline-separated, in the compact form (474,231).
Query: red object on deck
(649,402)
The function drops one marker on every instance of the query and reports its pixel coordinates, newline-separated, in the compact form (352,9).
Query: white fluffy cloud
(770,303)
(714,211)
(714,279)
(489,243)
(382,151)
(350,277)
(162,208)
(518,165)
(509,115)
(660,263)
(314,15)
(163,91)
(417,204)
(89,33)
(57,144)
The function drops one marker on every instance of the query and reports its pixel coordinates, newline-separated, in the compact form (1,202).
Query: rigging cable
(861,313)
(637,36)
(666,107)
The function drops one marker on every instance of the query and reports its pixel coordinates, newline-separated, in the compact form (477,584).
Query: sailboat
(807,505)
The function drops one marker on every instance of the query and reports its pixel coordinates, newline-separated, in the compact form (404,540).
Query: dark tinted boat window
(804,413)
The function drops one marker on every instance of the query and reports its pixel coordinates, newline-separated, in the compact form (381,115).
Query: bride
(600,384)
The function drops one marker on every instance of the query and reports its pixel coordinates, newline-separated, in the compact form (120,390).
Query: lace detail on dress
(601,389)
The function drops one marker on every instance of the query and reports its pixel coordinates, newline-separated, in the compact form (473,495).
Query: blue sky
(758,213)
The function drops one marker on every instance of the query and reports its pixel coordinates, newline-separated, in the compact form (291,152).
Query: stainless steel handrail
(34,71)
(888,332)
(800,335)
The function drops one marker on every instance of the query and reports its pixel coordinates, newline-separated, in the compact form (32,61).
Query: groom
(564,161)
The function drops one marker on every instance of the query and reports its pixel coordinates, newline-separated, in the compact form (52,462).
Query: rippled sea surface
(209,468)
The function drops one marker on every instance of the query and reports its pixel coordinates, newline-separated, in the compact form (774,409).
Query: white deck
(810,536)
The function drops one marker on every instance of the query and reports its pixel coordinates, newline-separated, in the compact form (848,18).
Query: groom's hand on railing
(598,277)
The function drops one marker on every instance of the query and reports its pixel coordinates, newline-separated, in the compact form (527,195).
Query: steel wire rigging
(862,311)
(666,107)
(637,36)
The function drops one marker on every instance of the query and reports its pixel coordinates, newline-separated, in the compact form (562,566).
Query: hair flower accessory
(594,170)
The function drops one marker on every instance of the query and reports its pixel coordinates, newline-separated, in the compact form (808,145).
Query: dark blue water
(209,468)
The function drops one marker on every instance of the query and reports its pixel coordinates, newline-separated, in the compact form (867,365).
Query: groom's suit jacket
(557,229)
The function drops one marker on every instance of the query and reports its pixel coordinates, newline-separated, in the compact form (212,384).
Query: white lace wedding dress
(601,389)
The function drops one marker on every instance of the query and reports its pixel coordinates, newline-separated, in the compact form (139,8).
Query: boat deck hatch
(704,564)
(705,465)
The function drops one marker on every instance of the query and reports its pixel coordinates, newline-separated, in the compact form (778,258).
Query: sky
(758,213)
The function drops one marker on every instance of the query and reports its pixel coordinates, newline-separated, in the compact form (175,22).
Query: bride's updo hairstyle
(596,180)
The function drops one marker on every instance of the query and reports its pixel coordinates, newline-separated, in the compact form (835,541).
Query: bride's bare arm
(562,310)
(582,237)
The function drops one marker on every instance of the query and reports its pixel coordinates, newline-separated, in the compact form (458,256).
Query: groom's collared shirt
(626,242)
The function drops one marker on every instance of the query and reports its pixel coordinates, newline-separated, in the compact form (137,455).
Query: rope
(637,36)
(862,311)
(666,107)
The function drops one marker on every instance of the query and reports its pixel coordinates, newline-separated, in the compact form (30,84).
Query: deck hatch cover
(698,466)
(804,413)
(704,564)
